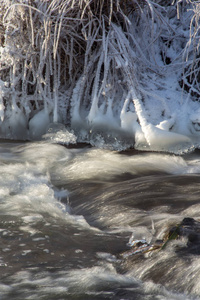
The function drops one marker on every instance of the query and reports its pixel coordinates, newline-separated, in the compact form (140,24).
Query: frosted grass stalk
(89,56)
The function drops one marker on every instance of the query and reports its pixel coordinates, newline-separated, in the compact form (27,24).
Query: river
(67,213)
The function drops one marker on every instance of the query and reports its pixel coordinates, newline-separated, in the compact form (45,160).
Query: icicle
(128,118)
(95,98)
(76,100)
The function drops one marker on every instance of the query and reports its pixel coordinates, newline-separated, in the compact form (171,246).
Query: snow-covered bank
(125,71)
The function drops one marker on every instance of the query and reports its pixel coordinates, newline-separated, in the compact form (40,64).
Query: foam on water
(74,210)
(26,190)
(104,164)
(99,282)
(27,181)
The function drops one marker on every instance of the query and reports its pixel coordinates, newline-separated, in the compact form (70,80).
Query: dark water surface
(67,214)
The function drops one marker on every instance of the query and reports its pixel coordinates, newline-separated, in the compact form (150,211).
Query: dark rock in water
(188,229)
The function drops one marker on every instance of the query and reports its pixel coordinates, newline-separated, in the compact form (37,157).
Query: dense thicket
(68,57)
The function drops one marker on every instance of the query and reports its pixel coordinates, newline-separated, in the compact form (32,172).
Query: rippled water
(68,213)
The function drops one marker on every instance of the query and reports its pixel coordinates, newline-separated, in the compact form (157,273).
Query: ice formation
(122,70)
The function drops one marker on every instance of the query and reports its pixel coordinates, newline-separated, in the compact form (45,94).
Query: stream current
(66,215)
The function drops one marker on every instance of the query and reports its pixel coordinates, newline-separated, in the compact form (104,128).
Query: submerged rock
(188,229)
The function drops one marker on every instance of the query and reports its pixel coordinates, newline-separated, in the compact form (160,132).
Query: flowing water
(67,213)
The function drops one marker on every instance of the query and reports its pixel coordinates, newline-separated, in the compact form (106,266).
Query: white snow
(140,86)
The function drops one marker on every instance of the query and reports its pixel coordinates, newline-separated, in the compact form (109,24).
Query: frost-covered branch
(82,61)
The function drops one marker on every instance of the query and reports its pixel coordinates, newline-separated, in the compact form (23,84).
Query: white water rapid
(67,214)
(99,150)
